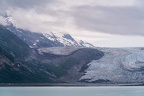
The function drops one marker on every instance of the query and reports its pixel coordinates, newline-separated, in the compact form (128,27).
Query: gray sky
(105,23)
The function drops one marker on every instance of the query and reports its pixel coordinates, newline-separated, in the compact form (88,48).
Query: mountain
(66,39)
(18,62)
(13,44)
(40,40)
(22,64)
(74,61)
(29,57)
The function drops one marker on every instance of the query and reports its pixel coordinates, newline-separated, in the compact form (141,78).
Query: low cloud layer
(113,20)
(23,3)
(110,17)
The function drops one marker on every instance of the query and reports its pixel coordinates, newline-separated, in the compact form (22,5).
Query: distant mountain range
(29,57)
(40,40)
(22,64)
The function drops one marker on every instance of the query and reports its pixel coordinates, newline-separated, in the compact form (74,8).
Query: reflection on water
(72,91)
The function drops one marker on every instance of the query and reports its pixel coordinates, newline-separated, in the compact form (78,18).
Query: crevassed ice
(134,61)
(117,65)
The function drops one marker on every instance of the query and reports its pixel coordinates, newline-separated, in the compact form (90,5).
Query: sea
(73,91)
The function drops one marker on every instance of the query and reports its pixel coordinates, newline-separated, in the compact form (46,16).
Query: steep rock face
(14,67)
(13,44)
(117,66)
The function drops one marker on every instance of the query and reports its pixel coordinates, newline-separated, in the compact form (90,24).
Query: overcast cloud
(24,3)
(113,20)
(114,17)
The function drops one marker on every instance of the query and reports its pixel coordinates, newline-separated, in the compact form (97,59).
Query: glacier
(118,65)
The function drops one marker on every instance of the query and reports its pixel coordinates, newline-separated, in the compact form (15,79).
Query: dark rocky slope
(16,65)
(21,64)
(74,64)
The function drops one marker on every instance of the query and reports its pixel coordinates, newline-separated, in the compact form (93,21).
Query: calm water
(71,91)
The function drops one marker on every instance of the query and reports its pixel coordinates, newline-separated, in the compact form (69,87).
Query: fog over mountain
(102,23)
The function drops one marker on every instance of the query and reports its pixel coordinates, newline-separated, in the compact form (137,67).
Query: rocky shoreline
(65,84)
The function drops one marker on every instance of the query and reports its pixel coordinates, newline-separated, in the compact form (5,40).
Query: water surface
(72,91)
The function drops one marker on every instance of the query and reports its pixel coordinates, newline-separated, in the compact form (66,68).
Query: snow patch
(66,39)
(58,50)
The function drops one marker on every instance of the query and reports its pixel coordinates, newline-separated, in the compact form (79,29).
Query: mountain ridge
(26,56)
(39,40)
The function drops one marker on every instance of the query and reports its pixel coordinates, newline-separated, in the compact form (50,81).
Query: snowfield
(66,39)
(58,50)
(118,65)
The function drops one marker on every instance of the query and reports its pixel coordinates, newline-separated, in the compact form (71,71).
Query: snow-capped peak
(9,20)
(66,39)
